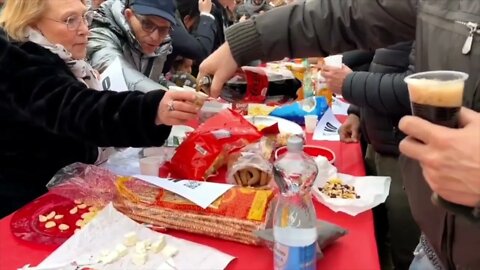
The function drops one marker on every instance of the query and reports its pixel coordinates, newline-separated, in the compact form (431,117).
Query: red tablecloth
(356,250)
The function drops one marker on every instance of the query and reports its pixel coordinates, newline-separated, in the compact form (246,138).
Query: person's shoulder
(107,20)
(27,54)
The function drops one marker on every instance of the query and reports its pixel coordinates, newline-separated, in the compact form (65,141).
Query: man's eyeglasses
(73,22)
(149,27)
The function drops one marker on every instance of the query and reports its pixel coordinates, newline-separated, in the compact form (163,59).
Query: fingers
(355,134)
(221,65)
(346,134)
(217,85)
(413,148)
(467,116)
(182,95)
(420,129)
(181,116)
(185,107)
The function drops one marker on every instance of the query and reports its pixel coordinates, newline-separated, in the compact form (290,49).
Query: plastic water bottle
(294,225)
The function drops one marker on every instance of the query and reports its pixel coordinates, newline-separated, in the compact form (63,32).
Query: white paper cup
(310,123)
(188,88)
(334,61)
(201,98)
(176,88)
(151,165)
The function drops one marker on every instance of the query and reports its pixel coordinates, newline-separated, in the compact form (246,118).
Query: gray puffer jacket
(111,38)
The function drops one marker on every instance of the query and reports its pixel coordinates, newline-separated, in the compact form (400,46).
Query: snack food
(335,188)
(205,150)
(251,177)
(233,216)
(251,166)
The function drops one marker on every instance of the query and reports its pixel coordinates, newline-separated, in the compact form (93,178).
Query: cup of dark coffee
(437,96)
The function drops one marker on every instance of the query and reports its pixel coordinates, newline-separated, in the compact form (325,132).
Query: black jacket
(49,119)
(222,19)
(196,45)
(381,96)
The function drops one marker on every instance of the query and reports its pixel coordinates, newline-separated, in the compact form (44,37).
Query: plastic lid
(295,143)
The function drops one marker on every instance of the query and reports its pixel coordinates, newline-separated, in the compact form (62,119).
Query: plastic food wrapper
(327,232)
(259,109)
(360,193)
(233,216)
(251,166)
(87,183)
(205,150)
(297,110)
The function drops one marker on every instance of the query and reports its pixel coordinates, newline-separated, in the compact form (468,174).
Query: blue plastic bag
(296,111)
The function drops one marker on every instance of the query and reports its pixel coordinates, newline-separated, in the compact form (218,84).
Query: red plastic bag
(205,150)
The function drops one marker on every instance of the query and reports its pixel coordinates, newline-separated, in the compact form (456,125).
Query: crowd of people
(54,111)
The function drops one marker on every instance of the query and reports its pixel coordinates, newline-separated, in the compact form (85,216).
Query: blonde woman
(51,114)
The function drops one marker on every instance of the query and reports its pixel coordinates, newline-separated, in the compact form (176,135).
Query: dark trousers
(394,223)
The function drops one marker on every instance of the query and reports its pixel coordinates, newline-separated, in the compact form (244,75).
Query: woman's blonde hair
(17,15)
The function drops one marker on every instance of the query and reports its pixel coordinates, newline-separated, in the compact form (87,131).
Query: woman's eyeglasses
(73,22)
(149,27)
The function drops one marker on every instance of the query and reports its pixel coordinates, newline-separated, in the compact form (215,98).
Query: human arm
(104,47)
(350,129)
(450,158)
(307,28)
(53,99)
(384,92)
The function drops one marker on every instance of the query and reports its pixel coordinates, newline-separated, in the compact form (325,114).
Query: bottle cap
(295,143)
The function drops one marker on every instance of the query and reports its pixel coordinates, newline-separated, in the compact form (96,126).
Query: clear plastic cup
(310,122)
(437,96)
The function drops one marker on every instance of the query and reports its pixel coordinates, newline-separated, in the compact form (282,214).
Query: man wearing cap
(136,32)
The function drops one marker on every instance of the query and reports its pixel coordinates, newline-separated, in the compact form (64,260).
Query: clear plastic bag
(90,184)
(251,166)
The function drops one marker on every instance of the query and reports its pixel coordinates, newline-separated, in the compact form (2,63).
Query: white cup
(334,61)
(311,121)
(188,88)
(176,88)
(151,165)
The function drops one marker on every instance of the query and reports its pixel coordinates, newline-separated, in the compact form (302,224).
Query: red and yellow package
(204,151)
(235,215)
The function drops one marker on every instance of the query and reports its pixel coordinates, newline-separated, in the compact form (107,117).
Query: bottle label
(298,258)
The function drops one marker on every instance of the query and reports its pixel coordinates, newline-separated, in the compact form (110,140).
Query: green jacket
(322,27)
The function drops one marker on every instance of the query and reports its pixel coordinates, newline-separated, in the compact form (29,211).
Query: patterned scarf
(82,71)
(80,68)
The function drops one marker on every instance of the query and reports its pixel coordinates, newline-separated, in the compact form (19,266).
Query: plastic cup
(310,123)
(201,98)
(151,165)
(334,61)
(176,88)
(437,96)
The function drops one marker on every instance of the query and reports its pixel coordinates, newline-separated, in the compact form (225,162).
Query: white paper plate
(285,126)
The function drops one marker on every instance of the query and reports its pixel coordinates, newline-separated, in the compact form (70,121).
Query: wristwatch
(470,213)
